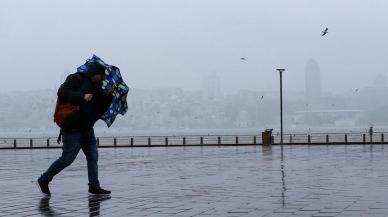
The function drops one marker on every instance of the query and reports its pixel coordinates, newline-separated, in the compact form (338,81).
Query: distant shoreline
(180,132)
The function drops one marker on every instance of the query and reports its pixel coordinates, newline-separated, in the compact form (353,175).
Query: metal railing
(202,140)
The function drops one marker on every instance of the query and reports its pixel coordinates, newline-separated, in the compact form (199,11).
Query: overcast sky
(175,43)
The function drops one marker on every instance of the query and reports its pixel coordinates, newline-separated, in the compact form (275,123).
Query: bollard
(14,143)
(98,141)
(149,141)
(131,141)
(254,140)
(363,138)
(236,140)
(219,140)
(201,142)
(31,143)
(166,141)
(346,138)
(115,142)
(327,138)
(382,137)
(48,142)
(184,140)
(308,139)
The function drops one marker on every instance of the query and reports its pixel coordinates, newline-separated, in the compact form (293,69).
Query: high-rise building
(312,82)
(380,81)
(211,86)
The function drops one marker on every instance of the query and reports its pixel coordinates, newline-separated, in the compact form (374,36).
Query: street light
(281,110)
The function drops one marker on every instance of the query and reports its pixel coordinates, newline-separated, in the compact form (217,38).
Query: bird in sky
(324,32)
(261,98)
(242,58)
(356,90)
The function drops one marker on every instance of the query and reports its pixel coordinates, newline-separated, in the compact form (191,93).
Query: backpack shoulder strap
(59,139)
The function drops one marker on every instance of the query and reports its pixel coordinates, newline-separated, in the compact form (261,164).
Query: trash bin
(267,137)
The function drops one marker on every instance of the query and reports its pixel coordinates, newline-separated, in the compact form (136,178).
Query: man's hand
(88,97)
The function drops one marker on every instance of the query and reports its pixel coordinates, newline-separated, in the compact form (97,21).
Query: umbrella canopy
(112,82)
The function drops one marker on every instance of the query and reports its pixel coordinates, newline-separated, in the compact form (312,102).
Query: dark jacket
(73,91)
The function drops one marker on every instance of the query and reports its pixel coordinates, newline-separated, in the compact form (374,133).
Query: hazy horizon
(176,43)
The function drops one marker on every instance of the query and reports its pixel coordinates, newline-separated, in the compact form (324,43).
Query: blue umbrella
(112,82)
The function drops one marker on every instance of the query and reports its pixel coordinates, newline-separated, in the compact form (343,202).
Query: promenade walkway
(342,180)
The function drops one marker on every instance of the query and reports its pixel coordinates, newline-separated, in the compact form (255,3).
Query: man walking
(82,89)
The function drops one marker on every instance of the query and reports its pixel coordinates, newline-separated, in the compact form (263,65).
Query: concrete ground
(229,181)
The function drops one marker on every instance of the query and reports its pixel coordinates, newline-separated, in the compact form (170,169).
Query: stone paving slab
(204,181)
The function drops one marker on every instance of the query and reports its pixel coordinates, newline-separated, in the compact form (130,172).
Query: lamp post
(281,109)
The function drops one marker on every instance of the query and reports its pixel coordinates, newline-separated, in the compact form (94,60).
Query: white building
(312,82)
(212,86)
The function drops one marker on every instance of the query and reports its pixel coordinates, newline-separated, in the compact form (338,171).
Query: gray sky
(175,43)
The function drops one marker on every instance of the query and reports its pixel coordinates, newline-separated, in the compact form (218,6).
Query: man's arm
(68,90)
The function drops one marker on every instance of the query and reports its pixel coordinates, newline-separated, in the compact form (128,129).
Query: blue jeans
(73,141)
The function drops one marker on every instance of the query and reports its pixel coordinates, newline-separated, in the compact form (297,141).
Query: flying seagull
(242,58)
(261,98)
(324,32)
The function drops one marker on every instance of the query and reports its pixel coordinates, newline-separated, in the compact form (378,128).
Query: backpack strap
(59,139)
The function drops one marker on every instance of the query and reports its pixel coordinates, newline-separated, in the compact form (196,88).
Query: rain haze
(200,64)
(205,121)
(175,43)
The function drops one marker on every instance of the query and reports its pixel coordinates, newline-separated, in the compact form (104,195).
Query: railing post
(308,139)
(346,138)
(236,140)
(14,143)
(327,138)
(149,141)
(131,141)
(254,140)
(48,142)
(114,141)
(382,137)
(184,140)
(219,140)
(166,141)
(98,141)
(31,143)
(201,140)
(364,138)
(290,139)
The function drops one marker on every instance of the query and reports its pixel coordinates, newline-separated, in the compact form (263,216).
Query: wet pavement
(204,181)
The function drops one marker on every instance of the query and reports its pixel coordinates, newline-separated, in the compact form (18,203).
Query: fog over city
(196,64)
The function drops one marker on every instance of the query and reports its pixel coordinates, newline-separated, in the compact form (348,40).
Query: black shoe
(98,191)
(43,186)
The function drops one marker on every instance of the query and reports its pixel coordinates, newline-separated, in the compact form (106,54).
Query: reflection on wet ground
(204,181)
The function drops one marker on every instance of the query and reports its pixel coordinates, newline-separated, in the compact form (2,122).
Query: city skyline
(177,43)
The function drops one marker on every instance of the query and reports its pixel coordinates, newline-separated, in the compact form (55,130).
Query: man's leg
(71,146)
(89,147)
